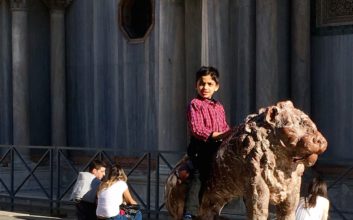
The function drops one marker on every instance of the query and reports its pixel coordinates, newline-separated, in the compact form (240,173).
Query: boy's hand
(216,134)
(219,136)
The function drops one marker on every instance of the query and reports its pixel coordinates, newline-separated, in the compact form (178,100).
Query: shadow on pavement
(34,218)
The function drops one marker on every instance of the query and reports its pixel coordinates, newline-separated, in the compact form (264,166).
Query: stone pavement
(6,215)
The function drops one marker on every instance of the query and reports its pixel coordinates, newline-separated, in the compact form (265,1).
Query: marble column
(20,83)
(193,36)
(5,75)
(171,52)
(266,55)
(205,34)
(300,54)
(243,76)
(57,70)
(272,60)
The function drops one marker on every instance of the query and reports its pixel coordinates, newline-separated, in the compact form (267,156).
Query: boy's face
(206,86)
(99,173)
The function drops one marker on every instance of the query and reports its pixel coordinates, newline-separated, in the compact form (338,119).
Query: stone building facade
(74,73)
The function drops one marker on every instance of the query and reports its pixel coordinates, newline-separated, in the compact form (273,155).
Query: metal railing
(47,174)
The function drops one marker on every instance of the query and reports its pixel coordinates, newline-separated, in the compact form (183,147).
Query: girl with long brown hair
(112,192)
(316,204)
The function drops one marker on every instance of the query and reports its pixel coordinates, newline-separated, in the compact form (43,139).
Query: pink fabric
(206,116)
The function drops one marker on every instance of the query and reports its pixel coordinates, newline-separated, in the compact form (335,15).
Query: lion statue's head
(289,131)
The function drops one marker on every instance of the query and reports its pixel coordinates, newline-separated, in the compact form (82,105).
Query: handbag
(129,211)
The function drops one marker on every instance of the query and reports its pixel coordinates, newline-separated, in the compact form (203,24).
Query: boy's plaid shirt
(206,116)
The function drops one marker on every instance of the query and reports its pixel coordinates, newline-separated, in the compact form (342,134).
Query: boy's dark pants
(201,154)
(86,210)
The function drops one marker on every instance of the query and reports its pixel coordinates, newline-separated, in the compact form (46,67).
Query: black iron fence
(47,175)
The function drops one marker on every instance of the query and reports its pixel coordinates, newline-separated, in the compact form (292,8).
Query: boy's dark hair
(96,164)
(208,70)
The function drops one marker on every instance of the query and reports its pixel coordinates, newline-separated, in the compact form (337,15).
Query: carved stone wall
(334,12)
(57,4)
(19,4)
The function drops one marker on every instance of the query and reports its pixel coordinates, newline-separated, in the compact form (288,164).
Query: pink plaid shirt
(206,116)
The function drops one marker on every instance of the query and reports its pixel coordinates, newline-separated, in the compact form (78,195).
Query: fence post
(149,186)
(12,178)
(157,187)
(58,177)
(51,180)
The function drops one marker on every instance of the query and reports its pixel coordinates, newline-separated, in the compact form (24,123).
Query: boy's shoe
(188,216)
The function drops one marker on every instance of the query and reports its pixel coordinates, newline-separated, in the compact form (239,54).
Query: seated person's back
(316,205)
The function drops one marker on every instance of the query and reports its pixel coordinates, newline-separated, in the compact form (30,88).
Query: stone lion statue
(262,160)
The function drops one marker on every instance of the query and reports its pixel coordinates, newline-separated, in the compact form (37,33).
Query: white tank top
(110,199)
(319,212)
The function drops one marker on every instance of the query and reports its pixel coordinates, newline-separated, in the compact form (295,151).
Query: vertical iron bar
(12,179)
(51,180)
(157,187)
(100,156)
(57,151)
(149,186)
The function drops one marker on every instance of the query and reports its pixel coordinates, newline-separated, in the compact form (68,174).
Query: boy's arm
(195,122)
(219,136)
